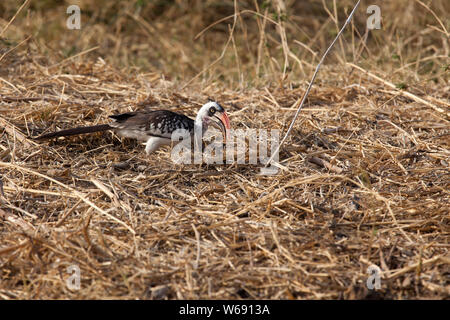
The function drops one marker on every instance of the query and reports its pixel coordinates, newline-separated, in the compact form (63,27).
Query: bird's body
(153,126)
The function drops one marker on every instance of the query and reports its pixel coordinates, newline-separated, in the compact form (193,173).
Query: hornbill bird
(155,127)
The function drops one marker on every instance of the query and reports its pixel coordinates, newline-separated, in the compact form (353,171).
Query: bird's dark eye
(212,110)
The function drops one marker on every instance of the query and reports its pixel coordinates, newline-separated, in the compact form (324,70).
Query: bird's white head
(213,113)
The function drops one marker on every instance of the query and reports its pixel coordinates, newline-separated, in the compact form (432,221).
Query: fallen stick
(325,164)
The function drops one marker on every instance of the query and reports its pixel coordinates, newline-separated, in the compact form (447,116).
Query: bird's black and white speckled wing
(145,124)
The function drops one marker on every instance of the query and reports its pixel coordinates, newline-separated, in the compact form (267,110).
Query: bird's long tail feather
(75,131)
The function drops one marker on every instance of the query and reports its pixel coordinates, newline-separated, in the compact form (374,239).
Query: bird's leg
(153,143)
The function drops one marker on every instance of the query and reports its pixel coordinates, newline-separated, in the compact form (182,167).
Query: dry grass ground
(365,173)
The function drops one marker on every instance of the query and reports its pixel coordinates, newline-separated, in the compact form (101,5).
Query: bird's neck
(200,125)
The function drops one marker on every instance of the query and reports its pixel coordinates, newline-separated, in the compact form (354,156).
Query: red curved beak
(226,125)
(223,123)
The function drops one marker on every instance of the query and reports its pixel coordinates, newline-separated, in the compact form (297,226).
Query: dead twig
(302,100)
(325,164)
